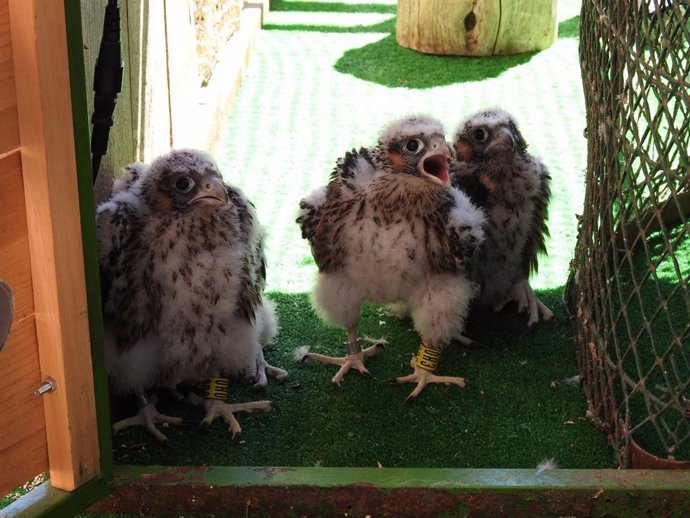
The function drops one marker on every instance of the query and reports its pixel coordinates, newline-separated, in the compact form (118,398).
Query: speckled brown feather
(182,272)
(514,189)
(388,228)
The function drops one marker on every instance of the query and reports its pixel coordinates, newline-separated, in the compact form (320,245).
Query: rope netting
(628,290)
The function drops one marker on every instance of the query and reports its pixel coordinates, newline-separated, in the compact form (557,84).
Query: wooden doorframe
(55,159)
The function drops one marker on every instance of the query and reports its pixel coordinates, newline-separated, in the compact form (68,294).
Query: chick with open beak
(434,164)
(389,228)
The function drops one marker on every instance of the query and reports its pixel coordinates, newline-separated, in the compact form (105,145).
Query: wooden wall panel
(183,80)
(44,108)
(157,123)
(123,145)
(9,131)
(23,446)
(15,265)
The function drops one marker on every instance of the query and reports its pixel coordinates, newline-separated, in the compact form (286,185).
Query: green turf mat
(325,77)
(645,341)
(517,410)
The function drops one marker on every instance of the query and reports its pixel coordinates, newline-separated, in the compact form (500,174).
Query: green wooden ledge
(418,492)
(48,502)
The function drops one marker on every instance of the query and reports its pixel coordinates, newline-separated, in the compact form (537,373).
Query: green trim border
(48,502)
(81,122)
(419,492)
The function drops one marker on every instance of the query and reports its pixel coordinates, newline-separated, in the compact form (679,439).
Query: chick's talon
(351,361)
(528,301)
(217,408)
(148,416)
(422,377)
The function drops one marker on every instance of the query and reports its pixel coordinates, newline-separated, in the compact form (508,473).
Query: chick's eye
(184,184)
(414,145)
(480,134)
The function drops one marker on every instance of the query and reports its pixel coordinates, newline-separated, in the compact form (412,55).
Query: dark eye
(414,145)
(184,184)
(480,134)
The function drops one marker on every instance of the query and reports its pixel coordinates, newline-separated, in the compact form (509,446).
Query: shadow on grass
(510,416)
(387,63)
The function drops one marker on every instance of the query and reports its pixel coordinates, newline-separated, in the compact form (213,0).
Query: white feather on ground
(546,464)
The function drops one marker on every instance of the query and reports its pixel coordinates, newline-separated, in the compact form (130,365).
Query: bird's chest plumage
(390,238)
(194,265)
(510,205)
(510,208)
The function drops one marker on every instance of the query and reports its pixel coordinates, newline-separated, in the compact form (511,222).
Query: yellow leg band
(217,388)
(427,358)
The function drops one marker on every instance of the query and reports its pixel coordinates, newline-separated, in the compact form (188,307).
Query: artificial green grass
(325,77)
(651,317)
(516,411)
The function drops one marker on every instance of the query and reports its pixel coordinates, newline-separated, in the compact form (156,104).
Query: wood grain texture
(23,446)
(184,81)
(476,27)
(15,267)
(50,187)
(527,25)
(123,143)
(157,124)
(9,129)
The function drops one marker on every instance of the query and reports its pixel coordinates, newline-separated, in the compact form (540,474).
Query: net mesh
(628,288)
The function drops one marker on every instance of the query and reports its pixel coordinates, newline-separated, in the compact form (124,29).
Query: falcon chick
(183,272)
(493,167)
(389,228)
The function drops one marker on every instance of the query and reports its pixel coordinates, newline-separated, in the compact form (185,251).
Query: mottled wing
(355,170)
(253,267)
(538,231)
(130,175)
(324,212)
(464,228)
(310,212)
(129,295)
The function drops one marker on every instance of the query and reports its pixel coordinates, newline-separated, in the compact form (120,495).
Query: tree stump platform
(476,27)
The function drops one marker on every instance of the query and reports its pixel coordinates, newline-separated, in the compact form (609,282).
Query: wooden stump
(476,27)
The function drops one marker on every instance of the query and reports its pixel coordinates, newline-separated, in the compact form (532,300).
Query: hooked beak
(212,193)
(435,163)
(503,142)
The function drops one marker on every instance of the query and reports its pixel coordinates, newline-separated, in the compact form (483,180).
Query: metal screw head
(47,386)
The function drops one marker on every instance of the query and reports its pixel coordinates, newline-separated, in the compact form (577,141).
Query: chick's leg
(148,417)
(264,370)
(355,356)
(424,365)
(527,300)
(216,408)
(219,408)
